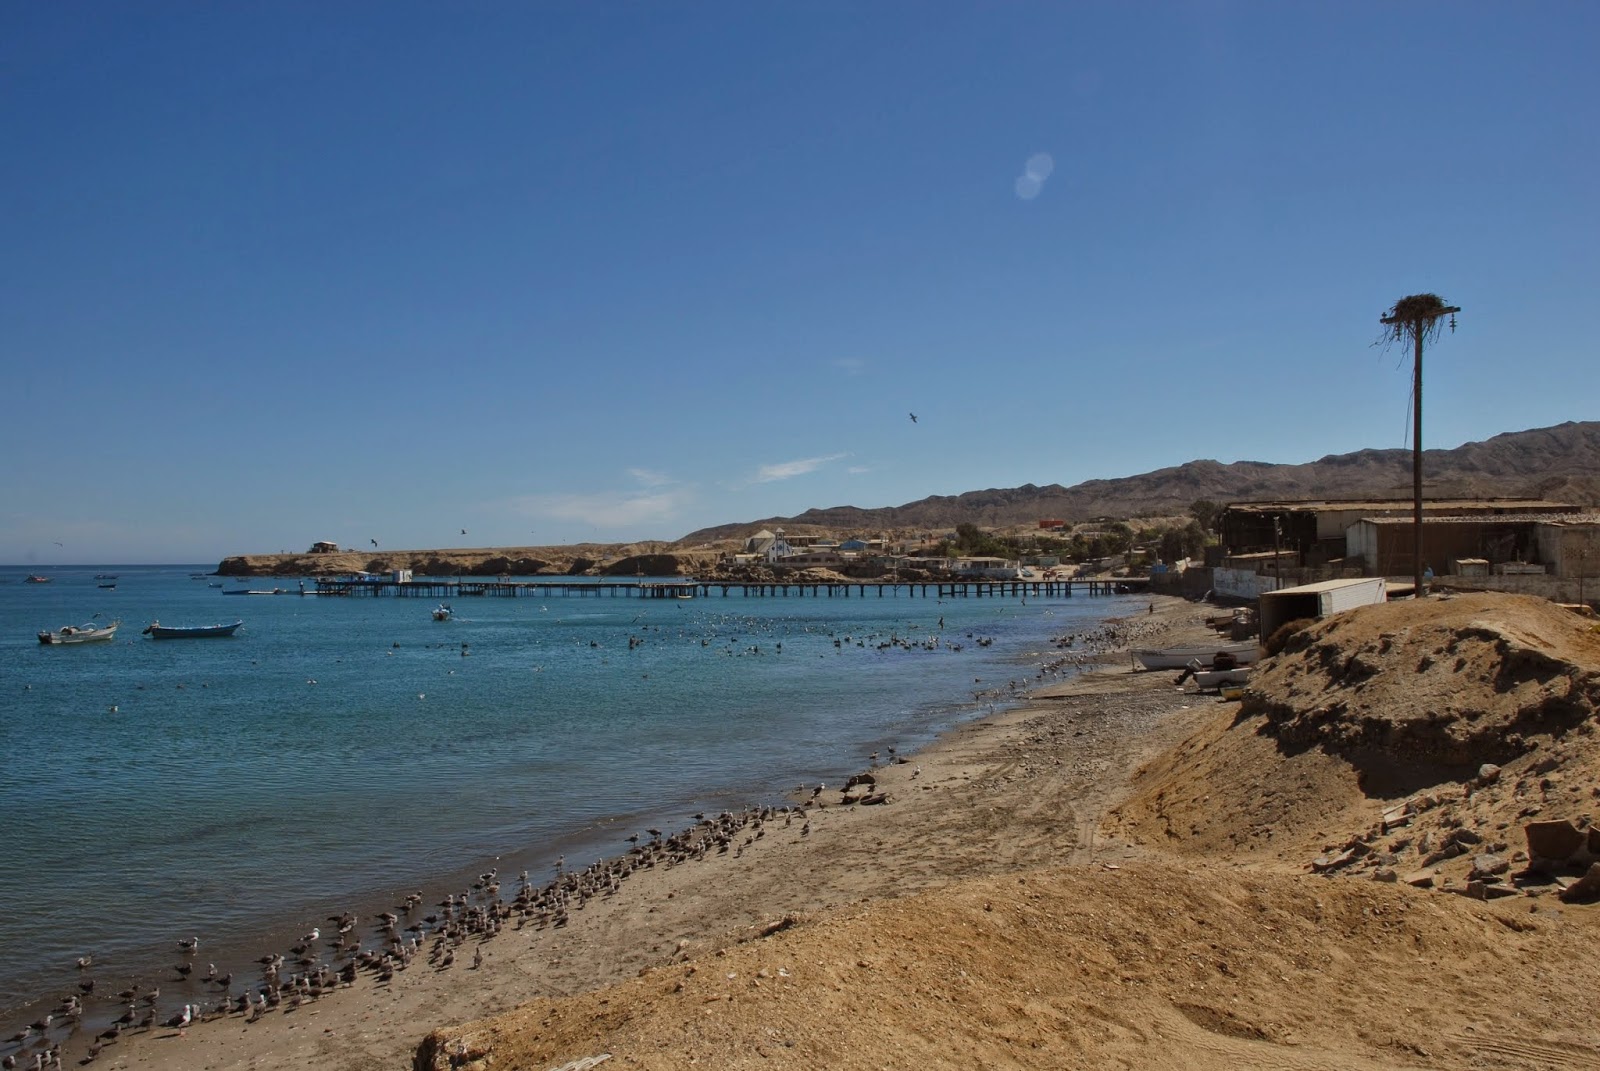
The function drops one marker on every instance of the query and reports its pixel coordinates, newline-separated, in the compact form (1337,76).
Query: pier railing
(458,587)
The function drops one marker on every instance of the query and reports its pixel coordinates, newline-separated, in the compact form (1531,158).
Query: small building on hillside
(323,546)
(810,558)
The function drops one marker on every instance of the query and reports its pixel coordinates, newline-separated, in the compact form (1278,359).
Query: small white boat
(442,612)
(1179,657)
(85,633)
(1217,678)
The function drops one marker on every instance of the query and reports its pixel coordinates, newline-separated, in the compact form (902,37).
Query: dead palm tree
(1417,318)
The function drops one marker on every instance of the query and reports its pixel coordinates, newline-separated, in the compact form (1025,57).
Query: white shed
(1280,607)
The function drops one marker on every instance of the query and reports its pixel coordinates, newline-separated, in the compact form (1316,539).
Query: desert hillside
(1558,463)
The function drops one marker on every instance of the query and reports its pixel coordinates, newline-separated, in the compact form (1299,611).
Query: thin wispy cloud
(606,510)
(658,500)
(1031,182)
(850,366)
(788,470)
(650,478)
(857,470)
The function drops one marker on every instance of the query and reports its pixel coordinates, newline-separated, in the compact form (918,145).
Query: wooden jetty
(460,588)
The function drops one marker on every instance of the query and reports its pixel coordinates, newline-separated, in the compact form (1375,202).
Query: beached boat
(85,633)
(443,612)
(1217,678)
(1179,657)
(157,631)
(35,578)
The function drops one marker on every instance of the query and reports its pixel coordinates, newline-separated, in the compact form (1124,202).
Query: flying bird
(463,531)
(913,418)
(374,544)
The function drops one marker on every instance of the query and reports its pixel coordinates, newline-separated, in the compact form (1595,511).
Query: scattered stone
(1421,879)
(1585,888)
(1557,840)
(1489,866)
(1488,773)
(1395,817)
(1385,873)
(1322,864)
(1449,851)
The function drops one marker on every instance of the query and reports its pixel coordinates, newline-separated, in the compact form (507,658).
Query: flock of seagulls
(411,936)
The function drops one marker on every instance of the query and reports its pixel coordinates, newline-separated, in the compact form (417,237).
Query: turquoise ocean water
(339,751)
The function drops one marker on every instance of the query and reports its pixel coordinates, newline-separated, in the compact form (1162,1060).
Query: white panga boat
(1218,678)
(1179,657)
(442,612)
(85,633)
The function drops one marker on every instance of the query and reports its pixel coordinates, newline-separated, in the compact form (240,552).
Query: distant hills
(1561,463)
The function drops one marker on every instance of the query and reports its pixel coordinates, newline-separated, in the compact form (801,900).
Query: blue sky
(573,271)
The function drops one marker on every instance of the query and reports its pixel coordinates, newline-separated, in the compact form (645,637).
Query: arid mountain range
(1560,463)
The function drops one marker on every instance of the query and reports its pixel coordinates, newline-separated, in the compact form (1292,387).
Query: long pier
(456,588)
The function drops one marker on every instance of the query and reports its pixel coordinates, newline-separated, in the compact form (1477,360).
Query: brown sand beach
(1334,873)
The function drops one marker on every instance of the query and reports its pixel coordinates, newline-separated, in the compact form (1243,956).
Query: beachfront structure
(1313,532)
(324,546)
(989,568)
(1561,546)
(1316,601)
(811,558)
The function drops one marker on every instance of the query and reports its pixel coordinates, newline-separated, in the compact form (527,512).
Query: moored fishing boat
(35,578)
(1178,657)
(443,612)
(157,631)
(85,633)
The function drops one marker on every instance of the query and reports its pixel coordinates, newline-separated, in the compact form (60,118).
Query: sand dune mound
(1459,681)
(1144,966)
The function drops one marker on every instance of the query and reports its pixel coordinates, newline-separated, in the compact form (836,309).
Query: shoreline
(662,913)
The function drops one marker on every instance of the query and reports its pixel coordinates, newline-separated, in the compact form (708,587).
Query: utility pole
(1277,551)
(1417,318)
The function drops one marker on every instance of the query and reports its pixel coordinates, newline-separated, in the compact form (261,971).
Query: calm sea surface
(338,750)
